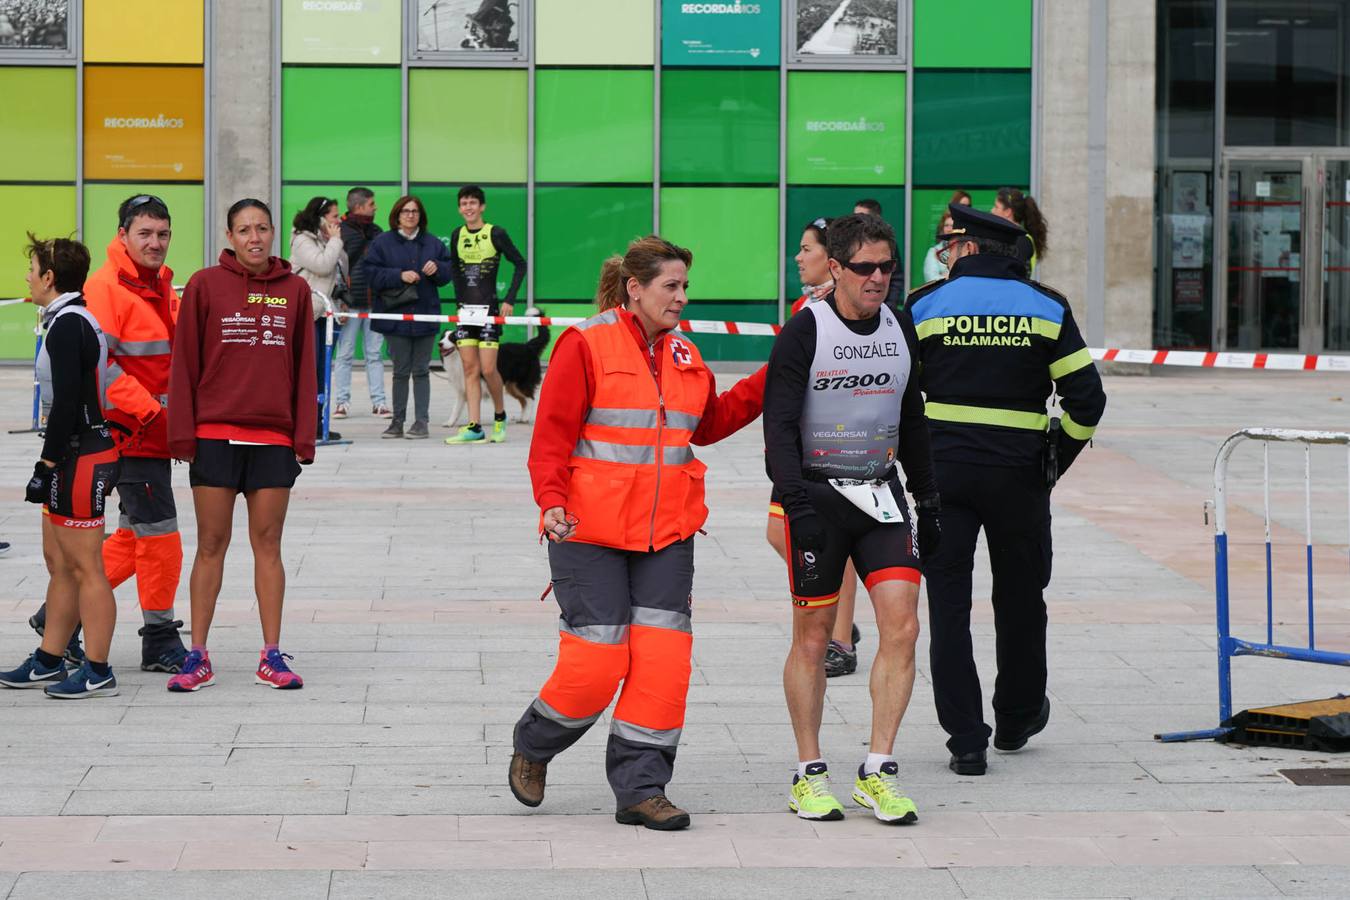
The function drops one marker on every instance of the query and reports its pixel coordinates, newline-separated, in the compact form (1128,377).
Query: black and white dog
(517,363)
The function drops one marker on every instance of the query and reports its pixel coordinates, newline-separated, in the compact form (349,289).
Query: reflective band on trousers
(149,529)
(661,618)
(670,737)
(596,634)
(984,415)
(631,454)
(553,715)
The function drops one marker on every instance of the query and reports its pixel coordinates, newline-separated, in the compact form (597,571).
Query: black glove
(930,526)
(39,487)
(805,530)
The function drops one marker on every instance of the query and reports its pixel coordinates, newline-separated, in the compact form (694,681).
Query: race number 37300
(850,382)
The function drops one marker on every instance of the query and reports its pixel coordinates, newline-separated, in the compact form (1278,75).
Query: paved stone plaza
(413,613)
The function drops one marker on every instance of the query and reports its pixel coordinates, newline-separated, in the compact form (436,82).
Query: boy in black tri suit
(476,250)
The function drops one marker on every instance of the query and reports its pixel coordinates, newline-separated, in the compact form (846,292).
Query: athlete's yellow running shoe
(880,792)
(811,797)
(498,431)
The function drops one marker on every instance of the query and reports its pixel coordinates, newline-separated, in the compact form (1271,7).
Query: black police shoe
(1007,741)
(162,649)
(972,763)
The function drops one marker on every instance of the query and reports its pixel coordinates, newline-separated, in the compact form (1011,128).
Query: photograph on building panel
(831,29)
(37,27)
(460,26)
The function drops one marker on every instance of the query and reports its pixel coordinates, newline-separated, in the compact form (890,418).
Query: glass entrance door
(1335,240)
(1263,268)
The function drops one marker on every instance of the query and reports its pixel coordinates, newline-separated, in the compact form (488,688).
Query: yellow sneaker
(811,797)
(880,792)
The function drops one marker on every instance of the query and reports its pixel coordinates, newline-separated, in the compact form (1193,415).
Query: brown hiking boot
(527,780)
(656,813)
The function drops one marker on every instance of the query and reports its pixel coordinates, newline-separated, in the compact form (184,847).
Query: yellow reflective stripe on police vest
(984,415)
(631,454)
(622,418)
(987,324)
(1076,431)
(1072,363)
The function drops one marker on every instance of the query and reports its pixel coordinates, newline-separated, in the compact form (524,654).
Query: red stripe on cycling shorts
(891,573)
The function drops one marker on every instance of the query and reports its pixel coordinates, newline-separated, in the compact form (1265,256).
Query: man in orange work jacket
(132,297)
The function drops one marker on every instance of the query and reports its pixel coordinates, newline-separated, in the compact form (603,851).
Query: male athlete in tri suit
(476,251)
(841,403)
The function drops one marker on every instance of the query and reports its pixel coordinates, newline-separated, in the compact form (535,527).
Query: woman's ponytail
(610,293)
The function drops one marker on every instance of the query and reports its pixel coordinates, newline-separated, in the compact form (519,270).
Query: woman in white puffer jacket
(317,255)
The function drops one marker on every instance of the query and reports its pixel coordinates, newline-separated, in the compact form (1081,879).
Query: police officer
(993,345)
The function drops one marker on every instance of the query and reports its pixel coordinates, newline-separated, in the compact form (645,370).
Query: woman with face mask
(242,407)
(620,495)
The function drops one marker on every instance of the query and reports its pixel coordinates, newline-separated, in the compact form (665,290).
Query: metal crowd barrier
(1229,646)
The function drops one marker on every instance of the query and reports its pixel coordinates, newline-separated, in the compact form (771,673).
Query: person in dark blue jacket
(406,267)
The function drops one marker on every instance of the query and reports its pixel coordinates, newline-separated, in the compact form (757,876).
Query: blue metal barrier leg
(327,393)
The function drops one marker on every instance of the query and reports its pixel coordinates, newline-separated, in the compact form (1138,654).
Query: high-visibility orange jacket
(628,415)
(138,321)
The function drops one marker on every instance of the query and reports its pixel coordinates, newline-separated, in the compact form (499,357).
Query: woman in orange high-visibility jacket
(621,497)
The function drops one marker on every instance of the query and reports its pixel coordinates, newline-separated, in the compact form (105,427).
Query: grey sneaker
(395,430)
(417,432)
(839,661)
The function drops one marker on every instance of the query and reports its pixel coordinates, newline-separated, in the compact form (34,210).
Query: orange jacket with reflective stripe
(138,322)
(634,483)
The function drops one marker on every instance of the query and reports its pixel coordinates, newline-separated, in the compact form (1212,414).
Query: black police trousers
(1012,505)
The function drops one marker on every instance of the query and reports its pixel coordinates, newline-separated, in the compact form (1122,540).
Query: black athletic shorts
(242,467)
(486,336)
(880,551)
(82,481)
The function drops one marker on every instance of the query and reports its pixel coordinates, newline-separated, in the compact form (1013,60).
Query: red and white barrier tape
(1195,359)
(1285,362)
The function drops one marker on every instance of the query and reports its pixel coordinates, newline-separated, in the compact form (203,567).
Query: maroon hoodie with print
(244,356)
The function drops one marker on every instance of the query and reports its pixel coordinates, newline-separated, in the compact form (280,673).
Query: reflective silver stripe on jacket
(661,618)
(596,634)
(553,715)
(621,418)
(682,420)
(670,737)
(608,317)
(631,454)
(143,348)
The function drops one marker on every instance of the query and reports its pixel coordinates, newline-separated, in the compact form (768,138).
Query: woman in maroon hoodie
(242,386)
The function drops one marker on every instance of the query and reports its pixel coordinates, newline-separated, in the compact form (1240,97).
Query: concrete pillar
(1097,163)
(241,112)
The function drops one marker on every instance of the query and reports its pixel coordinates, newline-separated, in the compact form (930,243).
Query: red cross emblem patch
(680,353)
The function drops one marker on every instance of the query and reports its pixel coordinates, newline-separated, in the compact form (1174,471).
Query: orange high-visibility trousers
(625,621)
(146,543)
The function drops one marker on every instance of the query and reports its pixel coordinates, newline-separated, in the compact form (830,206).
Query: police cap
(975,223)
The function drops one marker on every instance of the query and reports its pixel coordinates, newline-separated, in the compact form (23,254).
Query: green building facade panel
(972,128)
(319,144)
(719,126)
(733,233)
(593,125)
(577,228)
